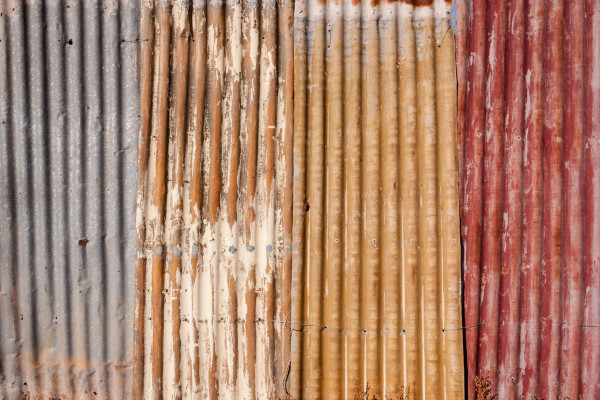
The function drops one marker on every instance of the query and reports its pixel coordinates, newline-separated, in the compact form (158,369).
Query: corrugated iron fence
(529,118)
(297,199)
(69,122)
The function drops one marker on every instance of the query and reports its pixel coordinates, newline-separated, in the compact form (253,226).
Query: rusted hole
(83,242)
(483,388)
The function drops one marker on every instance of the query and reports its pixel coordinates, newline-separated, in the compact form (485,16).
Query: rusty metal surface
(213,266)
(69,121)
(529,77)
(376,285)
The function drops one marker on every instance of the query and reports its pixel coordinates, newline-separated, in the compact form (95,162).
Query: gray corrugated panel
(69,113)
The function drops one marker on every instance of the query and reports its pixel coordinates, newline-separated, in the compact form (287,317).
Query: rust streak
(146,75)
(158,198)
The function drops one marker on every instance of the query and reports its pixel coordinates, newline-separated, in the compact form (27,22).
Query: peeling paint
(218,190)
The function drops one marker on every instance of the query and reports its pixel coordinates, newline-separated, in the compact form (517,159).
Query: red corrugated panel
(529,107)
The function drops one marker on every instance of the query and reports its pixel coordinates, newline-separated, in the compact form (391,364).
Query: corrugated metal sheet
(214,220)
(376,277)
(69,121)
(530,112)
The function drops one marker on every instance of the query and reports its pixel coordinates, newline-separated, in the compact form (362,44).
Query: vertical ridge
(299,192)
(530,298)
(552,148)
(157,201)
(408,199)
(572,200)
(508,332)
(18,70)
(250,89)
(370,206)
(491,258)
(388,229)
(212,165)
(427,162)
(449,214)
(192,205)
(311,363)
(330,350)
(174,200)
(352,113)
(9,366)
(471,208)
(146,80)
(56,98)
(590,359)
(284,194)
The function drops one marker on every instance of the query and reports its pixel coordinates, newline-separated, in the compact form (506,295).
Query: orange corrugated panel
(214,201)
(531,215)
(376,285)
